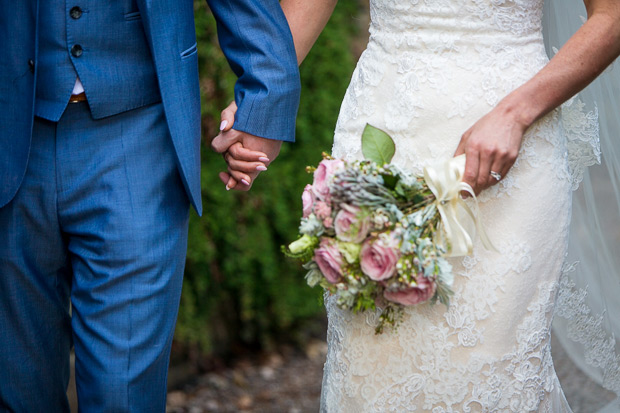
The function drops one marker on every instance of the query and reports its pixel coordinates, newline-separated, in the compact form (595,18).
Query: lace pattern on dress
(587,329)
(581,129)
(518,381)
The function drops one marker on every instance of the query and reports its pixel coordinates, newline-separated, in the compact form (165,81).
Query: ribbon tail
(459,242)
(476,216)
(445,183)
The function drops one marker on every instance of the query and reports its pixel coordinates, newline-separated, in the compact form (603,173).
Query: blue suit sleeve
(255,38)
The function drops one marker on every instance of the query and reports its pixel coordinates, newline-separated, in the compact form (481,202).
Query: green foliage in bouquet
(377,146)
(239,290)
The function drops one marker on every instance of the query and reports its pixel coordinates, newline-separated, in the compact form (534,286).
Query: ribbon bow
(445,181)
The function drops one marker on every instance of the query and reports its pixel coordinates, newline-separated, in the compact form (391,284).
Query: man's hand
(246,155)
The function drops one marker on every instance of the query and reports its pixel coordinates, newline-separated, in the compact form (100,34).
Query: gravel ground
(290,382)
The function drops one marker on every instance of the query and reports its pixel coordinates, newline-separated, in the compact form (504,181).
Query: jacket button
(75,12)
(76,50)
(31,65)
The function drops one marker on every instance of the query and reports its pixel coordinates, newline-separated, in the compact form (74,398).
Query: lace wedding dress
(432,68)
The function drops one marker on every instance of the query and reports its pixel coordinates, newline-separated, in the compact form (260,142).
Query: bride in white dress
(468,76)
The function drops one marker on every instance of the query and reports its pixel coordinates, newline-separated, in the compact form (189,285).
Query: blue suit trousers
(92,252)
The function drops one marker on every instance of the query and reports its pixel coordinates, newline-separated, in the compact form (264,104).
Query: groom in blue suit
(99,163)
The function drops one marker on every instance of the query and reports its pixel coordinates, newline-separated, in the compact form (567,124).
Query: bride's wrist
(520,111)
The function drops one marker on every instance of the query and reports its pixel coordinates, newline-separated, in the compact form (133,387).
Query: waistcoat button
(76,50)
(75,13)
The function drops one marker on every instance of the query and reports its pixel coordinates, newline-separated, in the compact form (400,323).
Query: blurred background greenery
(240,292)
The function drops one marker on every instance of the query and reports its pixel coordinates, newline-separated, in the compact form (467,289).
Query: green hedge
(239,289)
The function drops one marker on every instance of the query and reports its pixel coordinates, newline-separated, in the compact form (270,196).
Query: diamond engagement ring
(496,175)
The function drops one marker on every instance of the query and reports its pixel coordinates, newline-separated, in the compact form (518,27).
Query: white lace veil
(587,315)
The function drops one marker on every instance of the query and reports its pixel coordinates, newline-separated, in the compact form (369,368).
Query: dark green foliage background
(239,290)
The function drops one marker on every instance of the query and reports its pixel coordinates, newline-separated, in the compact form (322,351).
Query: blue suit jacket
(253,34)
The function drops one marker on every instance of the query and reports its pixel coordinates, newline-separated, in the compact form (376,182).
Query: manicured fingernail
(261,168)
(227,187)
(223,124)
(263,159)
(246,183)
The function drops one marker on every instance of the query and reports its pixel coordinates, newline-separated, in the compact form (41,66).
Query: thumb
(228,117)
(223,141)
(460,149)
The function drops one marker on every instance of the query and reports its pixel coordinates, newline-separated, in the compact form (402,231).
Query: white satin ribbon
(445,181)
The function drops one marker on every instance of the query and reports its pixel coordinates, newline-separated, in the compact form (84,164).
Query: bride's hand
(243,164)
(491,146)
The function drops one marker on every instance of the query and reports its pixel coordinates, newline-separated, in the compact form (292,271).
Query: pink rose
(324,174)
(424,291)
(329,260)
(322,210)
(379,257)
(307,199)
(349,227)
(328,222)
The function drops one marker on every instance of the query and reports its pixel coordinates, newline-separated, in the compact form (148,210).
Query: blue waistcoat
(116,70)
(253,34)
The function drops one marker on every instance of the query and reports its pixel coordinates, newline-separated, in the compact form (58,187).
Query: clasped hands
(246,155)
(491,146)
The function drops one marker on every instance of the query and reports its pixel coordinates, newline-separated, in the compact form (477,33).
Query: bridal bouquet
(375,236)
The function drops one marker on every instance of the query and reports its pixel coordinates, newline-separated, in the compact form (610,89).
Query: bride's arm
(493,143)
(306,20)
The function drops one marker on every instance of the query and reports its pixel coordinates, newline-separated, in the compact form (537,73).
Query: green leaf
(377,146)
(389,181)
